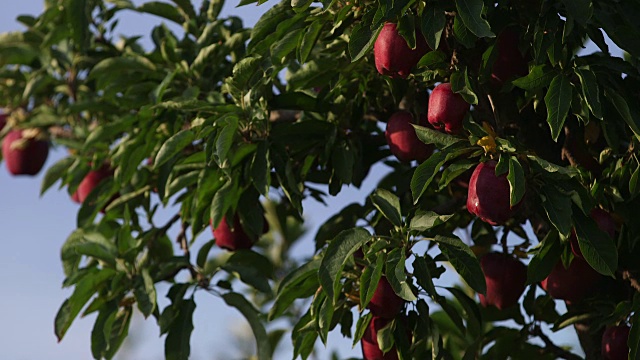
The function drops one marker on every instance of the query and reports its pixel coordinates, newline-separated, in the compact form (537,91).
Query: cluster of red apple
(25,151)
(488,195)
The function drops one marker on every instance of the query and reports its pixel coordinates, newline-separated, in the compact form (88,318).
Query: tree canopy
(512,158)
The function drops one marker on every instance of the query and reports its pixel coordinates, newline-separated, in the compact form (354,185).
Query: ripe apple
(392,54)
(571,284)
(509,62)
(233,237)
(385,303)
(91,180)
(506,278)
(24,156)
(402,139)
(615,343)
(489,195)
(370,348)
(605,223)
(446,109)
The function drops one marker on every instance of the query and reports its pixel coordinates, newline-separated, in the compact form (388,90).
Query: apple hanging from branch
(402,139)
(24,152)
(505,277)
(447,109)
(392,54)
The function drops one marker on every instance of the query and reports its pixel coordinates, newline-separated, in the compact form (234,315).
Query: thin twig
(553,348)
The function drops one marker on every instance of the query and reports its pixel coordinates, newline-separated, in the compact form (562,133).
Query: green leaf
(362,40)
(425,173)
(361,327)
(517,184)
(620,103)
(557,205)
(597,247)
(471,13)
(173,146)
(89,243)
(558,102)
(432,58)
(432,24)
(369,281)
(177,345)
(225,140)
(338,251)
(397,275)
(539,77)
(423,275)
(463,260)
(580,10)
(431,136)
(119,331)
(301,282)
(84,290)
(163,10)
(425,220)
(145,292)
(309,40)
(54,173)
(545,259)
(388,204)
(253,269)
(252,315)
(460,84)
(590,91)
(473,316)
(78,15)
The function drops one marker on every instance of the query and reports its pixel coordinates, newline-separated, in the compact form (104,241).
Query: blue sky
(34,229)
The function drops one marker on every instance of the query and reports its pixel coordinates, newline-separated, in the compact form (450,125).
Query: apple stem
(503,240)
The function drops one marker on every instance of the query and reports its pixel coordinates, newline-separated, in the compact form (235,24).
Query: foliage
(223,119)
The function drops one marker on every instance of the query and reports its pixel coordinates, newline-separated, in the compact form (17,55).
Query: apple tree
(511,159)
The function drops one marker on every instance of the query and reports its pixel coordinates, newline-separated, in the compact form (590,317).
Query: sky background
(34,229)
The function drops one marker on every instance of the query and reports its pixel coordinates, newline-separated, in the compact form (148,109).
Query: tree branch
(551,347)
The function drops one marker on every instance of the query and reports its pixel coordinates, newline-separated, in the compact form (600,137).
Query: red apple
(370,348)
(506,278)
(605,223)
(75,198)
(446,109)
(489,195)
(24,156)
(571,284)
(91,180)
(510,63)
(232,237)
(392,54)
(402,139)
(385,303)
(615,343)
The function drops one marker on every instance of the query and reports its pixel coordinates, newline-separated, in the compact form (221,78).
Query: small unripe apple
(489,195)
(392,54)
(505,277)
(232,237)
(571,284)
(385,303)
(605,223)
(510,62)
(615,344)
(402,139)
(370,348)
(446,109)
(22,155)
(91,180)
